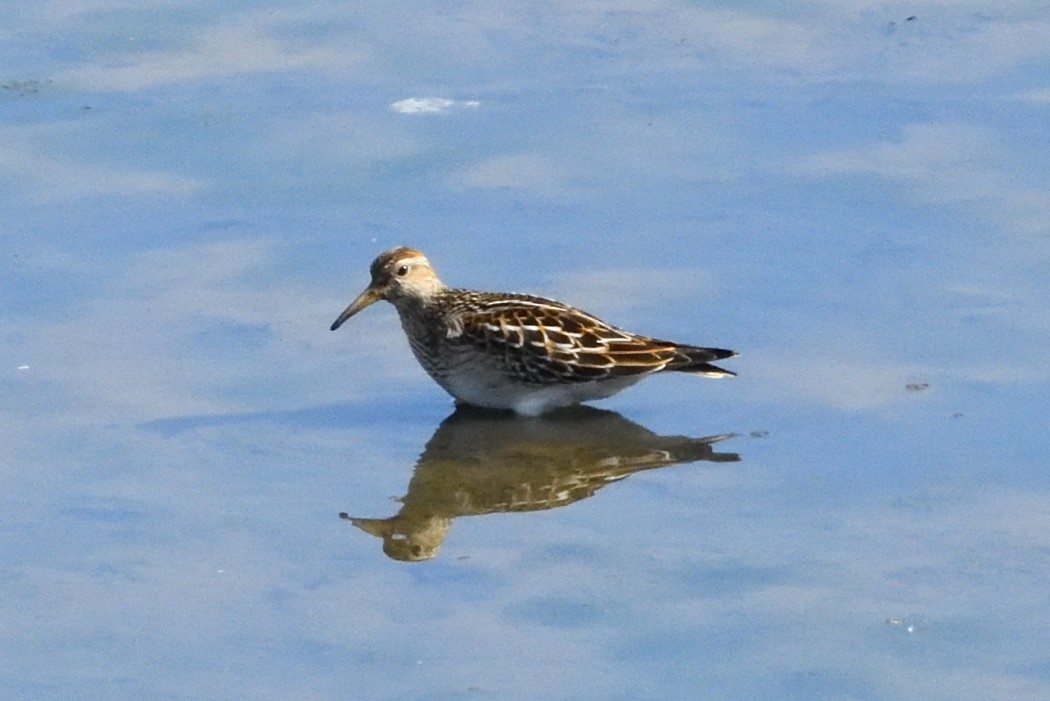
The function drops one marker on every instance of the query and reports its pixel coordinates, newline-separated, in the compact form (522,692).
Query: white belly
(494,392)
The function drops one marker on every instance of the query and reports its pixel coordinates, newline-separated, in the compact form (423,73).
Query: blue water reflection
(856,198)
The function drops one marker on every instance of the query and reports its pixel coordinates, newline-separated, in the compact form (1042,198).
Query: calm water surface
(856,200)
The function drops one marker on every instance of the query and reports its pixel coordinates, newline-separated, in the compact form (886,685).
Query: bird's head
(398,275)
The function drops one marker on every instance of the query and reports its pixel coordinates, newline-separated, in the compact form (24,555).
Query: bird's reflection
(481,462)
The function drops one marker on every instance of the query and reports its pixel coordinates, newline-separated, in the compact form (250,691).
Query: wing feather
(541,339)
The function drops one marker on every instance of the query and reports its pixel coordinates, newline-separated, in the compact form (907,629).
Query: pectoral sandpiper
(516,351)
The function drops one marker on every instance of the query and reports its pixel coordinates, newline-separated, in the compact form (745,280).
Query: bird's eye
(402,271)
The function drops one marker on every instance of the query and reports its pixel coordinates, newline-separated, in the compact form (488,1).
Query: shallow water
(856,201)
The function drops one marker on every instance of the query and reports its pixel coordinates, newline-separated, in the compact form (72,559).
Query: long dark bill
(369,296)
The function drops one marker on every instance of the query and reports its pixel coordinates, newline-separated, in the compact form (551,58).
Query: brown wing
(542,340)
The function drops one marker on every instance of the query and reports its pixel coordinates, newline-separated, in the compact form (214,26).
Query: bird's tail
(697,360)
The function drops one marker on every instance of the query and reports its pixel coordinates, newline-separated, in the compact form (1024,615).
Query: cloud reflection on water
(854,195)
